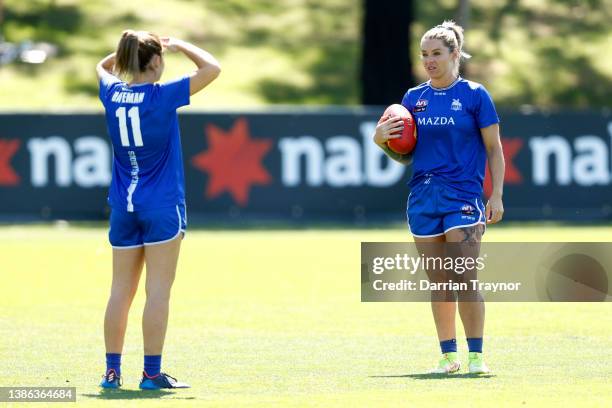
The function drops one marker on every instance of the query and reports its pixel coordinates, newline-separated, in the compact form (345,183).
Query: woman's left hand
(494,211)
(170,44)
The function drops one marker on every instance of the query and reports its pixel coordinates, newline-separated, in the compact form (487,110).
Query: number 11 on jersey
(134,121)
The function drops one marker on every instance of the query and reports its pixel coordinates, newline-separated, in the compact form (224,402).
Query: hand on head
(169,44)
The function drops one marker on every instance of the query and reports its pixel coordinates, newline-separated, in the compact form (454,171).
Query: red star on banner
(512,174)
(8,148)
(233,161)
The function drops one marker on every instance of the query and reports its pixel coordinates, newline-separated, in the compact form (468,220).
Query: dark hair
(451,34)
(135,50)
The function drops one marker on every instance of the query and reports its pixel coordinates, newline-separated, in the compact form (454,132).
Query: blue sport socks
(152,365)
(448,346)
(113,361)
(475,344)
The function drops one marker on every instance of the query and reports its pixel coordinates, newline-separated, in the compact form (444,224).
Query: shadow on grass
(430,376)
(119,394)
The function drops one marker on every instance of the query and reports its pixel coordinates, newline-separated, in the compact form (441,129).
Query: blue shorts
(435,208)
(147,227)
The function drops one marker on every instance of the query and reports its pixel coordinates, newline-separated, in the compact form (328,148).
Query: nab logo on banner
(512,174)
(338,161)
(8,148)
(233,161)
(88,167)
(271,163)
(587,164)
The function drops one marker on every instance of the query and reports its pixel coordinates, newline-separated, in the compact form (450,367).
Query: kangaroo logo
(456,105)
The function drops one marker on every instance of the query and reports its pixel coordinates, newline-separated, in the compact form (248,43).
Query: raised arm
(105,66)
(208,67)
(384,132)
(495,207)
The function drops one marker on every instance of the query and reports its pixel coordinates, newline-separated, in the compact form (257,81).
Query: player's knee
(158,293)
(124,290)
(123,297)
(470,295)
(443,296)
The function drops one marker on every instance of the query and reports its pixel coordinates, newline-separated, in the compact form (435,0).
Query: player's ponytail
(458,33)
(135,50)
(127,53)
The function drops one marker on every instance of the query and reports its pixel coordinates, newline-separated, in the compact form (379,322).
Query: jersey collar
(137,85)
(447,88)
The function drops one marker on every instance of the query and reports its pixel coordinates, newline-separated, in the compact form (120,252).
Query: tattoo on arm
(404,159)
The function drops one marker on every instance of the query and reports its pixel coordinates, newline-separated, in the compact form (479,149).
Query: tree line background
(543,53)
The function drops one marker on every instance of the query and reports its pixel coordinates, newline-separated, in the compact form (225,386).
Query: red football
(406,142)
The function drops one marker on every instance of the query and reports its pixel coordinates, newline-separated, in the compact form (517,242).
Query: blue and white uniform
(449,157)
(147,191)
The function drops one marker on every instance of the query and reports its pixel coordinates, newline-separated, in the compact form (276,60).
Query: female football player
(458,130)
(147,194)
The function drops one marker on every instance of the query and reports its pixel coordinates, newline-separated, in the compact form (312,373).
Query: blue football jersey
(449,144)
(143,126)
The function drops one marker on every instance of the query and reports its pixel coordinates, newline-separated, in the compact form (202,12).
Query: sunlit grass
(273,318)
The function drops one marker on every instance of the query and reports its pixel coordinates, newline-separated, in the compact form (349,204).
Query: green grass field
(274,318)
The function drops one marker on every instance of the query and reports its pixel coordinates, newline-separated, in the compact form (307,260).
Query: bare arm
(105,66)
(405,159)
(497,166)
(384,132)
(208,66)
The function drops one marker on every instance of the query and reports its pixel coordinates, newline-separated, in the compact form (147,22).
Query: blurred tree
(463,14)
(546,53)
(462,18)
(386,66)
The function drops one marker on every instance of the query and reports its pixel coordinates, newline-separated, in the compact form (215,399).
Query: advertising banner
(300,165)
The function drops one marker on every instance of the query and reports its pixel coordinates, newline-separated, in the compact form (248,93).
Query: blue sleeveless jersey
(147,157)
(449,144)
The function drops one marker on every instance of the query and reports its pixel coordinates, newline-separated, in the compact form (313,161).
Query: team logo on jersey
(456,105)
(421,105)
(467,210)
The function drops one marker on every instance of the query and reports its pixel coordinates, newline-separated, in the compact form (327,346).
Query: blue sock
(475,344)
(448,346)
(152,365)
(113,361)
